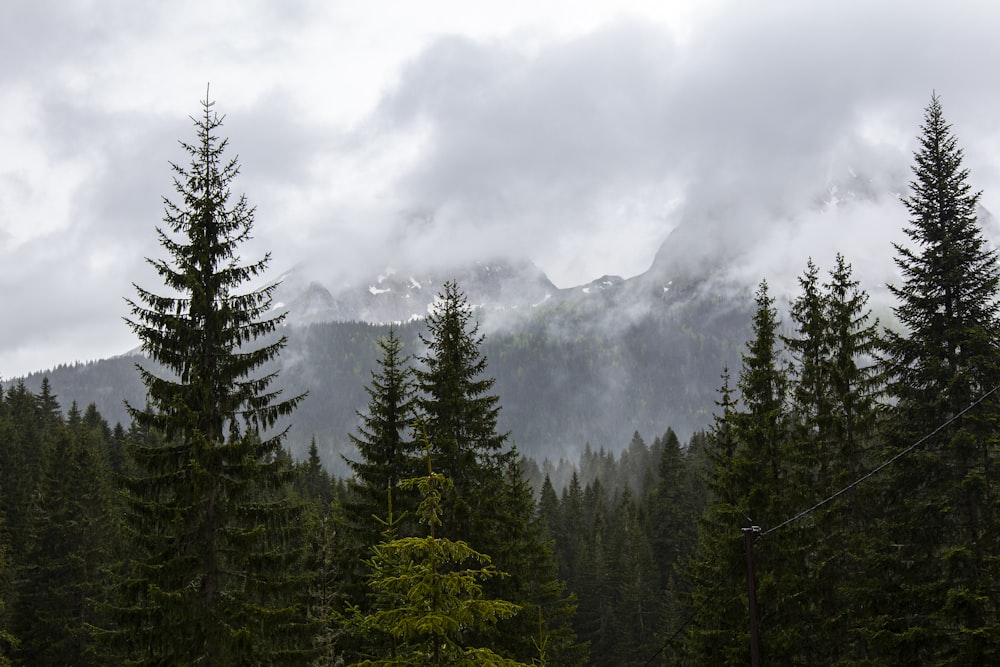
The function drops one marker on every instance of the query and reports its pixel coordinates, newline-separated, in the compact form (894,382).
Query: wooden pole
(750,533)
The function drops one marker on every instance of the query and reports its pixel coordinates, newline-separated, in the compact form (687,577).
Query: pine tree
(672,529)
(215,575)
(8,643)
(22,448)
(941,516)
(73,546)
(574,529)
(809,348)
(460,412)
(636,603)
(324,563)
(488,503)
(833,389)
(387,451)
(427,597)
(751,479)
(313,480)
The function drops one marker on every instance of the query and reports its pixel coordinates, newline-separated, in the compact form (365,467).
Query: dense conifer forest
(856,463)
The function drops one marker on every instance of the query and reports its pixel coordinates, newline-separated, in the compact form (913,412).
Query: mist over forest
(447,333)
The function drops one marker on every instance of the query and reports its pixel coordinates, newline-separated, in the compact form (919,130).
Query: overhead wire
(882,466)
(874,471)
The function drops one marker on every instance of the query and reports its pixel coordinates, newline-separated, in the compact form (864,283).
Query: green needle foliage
(216,578)
(939,564)
(387,451)
(487,501)
(426,596)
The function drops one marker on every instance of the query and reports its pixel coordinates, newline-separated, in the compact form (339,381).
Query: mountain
(402,296)
(587,365)
(584,365)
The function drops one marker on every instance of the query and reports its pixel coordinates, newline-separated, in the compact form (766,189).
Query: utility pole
(750,533)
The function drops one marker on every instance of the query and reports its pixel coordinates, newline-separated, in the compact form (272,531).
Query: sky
(394,133)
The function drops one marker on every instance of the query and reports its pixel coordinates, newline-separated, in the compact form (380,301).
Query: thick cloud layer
(779,130)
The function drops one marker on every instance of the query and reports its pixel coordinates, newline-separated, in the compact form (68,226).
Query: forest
(855,463)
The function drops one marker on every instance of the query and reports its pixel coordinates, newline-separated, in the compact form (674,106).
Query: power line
(672,637)
(687,621)
(885,464)
(882,466)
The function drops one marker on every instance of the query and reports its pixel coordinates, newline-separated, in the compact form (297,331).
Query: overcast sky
(384,133)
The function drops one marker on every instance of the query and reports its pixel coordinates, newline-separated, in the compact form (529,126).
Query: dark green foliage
(489,504)
(635,598)
(460,411)
(427,598)
(387,454)
(801,430)
(216,576)
(8,643)
(22,447)
(313,481)
(754,477)
(75,538)
(671,505)
(55,585)
(943,532)
(325,565)
(597,385)
(834,405)
(617,552)
(387,450)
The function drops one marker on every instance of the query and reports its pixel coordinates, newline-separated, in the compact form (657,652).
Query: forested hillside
(839,507)
(599,382)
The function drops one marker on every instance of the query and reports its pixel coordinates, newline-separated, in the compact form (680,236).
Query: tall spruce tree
(460,412)
(216,576)
(388,452)
(489,505)
(833,401)
(749,479)
(941,603)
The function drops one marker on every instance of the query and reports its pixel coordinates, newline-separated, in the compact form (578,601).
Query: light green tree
(428,591)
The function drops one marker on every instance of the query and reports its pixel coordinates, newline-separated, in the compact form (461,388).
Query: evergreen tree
(460,412)
(940,523)
(574,528)
(488,503)
(387,454)
(854,378)
(314,481)
(8,643)
(426,600)
(216,576)
(636,602)
(387,450)
(672,529)
(326,590)
(809,348)
(548,510)
(22,447)
(74,539)
(517,540)
(834,392)
(593,622)
(751,479)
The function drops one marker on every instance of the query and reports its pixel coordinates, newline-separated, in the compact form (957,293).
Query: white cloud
(578,133)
